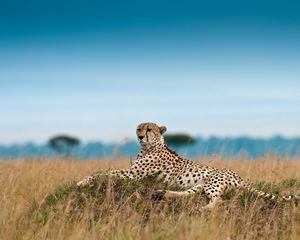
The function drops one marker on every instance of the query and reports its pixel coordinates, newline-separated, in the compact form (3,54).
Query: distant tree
(63,144)
(179,139)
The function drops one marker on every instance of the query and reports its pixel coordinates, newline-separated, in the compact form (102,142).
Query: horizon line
(129,139)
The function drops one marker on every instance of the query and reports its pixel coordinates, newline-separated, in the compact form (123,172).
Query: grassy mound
(113,202)
(107,196)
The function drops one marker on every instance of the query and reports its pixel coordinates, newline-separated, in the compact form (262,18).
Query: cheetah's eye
(149,130)
(138,129)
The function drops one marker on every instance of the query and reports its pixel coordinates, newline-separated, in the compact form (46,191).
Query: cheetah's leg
(214,195)
(187,192)
(134,172)
(122,173)
(213,191)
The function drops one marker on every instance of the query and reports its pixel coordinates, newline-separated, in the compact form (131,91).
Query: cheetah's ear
(162,129)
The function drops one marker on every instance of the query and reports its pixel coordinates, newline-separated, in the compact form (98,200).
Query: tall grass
(39,200)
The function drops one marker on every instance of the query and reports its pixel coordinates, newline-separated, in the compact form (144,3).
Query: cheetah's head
(150,134)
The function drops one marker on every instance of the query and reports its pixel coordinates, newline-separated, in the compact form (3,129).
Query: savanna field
(39,200)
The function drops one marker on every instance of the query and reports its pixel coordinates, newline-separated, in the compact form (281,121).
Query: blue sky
(95,70)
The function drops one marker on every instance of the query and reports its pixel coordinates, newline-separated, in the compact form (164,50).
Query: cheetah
(155,158)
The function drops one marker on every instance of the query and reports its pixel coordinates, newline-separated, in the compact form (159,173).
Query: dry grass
(38,200)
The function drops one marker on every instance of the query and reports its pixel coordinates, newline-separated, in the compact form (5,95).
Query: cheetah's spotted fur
(155,158)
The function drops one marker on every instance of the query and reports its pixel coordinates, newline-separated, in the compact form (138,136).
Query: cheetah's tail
(272,196)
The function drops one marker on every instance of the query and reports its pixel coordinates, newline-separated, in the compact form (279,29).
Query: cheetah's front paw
(87,180)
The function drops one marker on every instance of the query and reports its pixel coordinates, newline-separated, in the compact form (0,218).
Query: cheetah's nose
(141,137)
